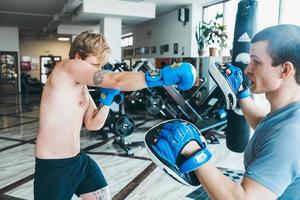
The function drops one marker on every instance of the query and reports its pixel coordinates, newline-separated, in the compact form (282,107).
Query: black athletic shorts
(59,179)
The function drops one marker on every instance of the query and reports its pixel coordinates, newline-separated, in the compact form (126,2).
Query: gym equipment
(30,85)
(123,125)
(121,67)
(147,99)
(108,67)
(120,123)
(238,130)
(154,104)
(203,117)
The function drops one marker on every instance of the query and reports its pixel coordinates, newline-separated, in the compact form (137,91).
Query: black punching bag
(238,130)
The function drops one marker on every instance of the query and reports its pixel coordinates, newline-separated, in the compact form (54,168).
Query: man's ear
(77,56)
(288,69)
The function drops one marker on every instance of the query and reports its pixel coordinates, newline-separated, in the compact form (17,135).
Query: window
(289,12)
(230,10)
(210,12)
(127,40)
(267,14)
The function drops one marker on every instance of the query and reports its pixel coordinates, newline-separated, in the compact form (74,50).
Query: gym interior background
(143,34)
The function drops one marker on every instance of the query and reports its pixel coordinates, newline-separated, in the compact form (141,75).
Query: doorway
(9,72)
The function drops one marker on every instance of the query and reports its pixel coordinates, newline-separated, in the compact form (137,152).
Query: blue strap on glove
(173,137)
(181,74)
(107,96)
(236,80)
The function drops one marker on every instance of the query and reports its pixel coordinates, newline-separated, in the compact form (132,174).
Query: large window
(127,40)
(210,12)
(228,9)
(289,12)
(267,14)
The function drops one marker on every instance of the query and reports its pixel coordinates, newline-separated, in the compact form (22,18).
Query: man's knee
(101,194)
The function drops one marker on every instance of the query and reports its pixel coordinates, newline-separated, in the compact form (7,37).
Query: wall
(9,39)
(36,48)
(166,29)
(111,28)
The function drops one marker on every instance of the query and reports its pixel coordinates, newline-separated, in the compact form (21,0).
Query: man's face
(263,76)
(94,61)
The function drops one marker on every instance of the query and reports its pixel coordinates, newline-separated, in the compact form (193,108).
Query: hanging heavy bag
(238,130)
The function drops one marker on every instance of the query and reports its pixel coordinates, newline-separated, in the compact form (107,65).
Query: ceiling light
(63,39)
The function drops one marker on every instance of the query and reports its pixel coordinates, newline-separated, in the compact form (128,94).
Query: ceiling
(39,18)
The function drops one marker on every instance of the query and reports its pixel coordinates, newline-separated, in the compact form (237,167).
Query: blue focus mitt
(165,142)
(229,83)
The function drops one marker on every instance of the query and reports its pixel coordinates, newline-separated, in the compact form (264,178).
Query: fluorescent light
(63,39)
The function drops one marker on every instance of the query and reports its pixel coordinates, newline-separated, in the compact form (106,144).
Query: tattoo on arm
(100,106)
(98,77)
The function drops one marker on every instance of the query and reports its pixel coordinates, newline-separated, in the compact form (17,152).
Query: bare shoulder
(61,73)
(64,64)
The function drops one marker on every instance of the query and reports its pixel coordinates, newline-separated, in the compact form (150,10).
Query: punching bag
(238,130)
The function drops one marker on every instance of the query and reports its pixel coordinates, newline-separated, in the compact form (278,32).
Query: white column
(112,30)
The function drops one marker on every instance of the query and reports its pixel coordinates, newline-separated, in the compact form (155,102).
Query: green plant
(200,37)
(215,32)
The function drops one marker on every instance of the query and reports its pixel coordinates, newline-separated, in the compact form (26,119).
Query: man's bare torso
(63,106)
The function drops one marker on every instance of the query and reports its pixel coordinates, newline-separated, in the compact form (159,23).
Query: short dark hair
(283,45)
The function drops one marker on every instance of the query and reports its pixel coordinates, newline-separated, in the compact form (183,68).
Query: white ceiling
(36,18)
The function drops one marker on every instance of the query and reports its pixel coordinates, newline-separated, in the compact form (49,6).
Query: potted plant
(216,35)
(200,38)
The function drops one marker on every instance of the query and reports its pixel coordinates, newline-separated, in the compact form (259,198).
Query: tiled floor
(130,178)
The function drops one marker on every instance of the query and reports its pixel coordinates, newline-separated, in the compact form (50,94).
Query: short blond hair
(90,44)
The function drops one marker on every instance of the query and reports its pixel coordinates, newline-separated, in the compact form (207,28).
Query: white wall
(36,48)
(76,29)
(112,28)
(166,29)
(9,39)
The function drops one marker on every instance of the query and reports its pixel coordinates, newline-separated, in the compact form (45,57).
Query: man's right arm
(183,75)
(84,73)
(219,186)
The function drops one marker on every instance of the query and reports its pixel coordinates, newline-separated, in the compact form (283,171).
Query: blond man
(62,169)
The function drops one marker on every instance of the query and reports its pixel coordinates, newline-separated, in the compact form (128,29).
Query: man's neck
(283,96)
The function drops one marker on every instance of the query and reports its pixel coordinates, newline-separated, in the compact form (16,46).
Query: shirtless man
(61,168)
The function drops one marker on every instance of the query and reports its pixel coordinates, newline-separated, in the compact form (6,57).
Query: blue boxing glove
(236,79)
(107,96)
(181,74)
(173,137)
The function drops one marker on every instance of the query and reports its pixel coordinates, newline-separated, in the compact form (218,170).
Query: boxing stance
(272,162)
(62,169)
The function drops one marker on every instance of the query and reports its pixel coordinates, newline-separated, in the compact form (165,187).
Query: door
(47,63)
(9,72)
